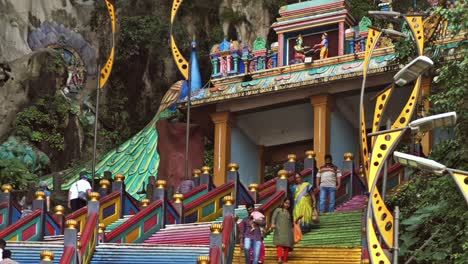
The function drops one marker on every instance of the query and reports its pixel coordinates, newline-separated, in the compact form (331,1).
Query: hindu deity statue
(323,46)
(300,51)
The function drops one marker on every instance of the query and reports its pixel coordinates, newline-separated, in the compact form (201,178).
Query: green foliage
(44,121)
(208,158)
(274,5)
(361,8)
(14,172)
(433,210)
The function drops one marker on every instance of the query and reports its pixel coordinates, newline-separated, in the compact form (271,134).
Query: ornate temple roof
(293,77)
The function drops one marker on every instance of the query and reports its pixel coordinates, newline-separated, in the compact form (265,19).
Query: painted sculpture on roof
(300,51)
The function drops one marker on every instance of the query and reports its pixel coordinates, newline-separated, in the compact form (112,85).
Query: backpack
(81,195)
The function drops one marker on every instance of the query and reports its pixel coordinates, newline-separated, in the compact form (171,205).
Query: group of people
(5,254)
(298,207)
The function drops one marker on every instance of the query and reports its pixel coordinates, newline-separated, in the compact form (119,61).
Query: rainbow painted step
(144,253)
(182,234)
(29,252)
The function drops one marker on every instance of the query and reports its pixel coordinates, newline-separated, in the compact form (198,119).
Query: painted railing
(195,193)
(215,255)
(68,255)
(89,238)
(26,229)
(229,237)
(209,206)
(243,197)
(4,215)
(140,226)
(52,228)
(110,209)
(172,216)
(272,204)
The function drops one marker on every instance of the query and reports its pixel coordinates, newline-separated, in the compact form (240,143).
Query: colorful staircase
(336,240)
(356,203)
(182,234)
(144,253)
(29,252)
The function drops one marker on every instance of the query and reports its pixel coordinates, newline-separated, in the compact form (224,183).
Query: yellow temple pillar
(323,106)
(223,122)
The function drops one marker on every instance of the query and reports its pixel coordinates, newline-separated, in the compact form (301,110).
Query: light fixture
(419,162)
(394,34)
(413,70)
(385,15)
(430,122)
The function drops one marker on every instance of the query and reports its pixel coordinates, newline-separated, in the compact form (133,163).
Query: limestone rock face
(252,19)
(32,76)
(20,17)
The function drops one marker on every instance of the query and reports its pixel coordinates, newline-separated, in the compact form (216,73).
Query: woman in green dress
(304,202)
(282,223)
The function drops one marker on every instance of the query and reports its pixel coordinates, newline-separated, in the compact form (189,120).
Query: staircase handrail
(272,204)
(148,221)
(172,212)
(229,237)
(15,230)
(205,201)
(67,256)
(89,238)
(244,195)
(192,195)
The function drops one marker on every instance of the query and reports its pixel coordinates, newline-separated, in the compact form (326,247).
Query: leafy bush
(14,172)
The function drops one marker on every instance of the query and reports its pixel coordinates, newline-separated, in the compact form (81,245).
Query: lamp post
(382,144)
(460,177)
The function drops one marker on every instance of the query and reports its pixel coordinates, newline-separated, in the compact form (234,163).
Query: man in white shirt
(78,193)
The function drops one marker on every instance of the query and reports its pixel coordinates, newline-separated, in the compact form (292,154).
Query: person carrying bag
(78,193)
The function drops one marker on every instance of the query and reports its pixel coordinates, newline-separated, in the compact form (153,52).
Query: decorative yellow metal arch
(383,145)
(181,62)
(106,70)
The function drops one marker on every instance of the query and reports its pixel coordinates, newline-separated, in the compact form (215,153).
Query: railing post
(39,202)
(119,185)
(203,260)
(349,161)
(253,190)
(290,165)
(144,203)
(160,194)
(59,217)
(93,204)
(101,232)
(196,177)
(71,236)
(233,176)
(282,182)
(205,177)
(228,207)
(104,185)
(179,206)
(47,257)
(216,236)
(396,217)
(6,197)
(311,163)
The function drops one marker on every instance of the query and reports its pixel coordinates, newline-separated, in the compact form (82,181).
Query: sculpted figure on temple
(300,50)
(323,46)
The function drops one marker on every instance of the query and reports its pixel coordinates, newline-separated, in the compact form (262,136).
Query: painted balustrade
(229,231)
(209,206)
(196,193)
(216,243)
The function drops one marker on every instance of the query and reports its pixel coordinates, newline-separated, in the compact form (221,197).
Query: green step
(117,223)
(340,229)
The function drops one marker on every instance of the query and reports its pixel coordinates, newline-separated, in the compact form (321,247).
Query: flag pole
(95,126)
(187,129)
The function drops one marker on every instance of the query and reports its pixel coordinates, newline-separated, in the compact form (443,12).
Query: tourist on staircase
(304,200)
(328,181)
(251,239)
(44,187)
(282,224)
(77,195)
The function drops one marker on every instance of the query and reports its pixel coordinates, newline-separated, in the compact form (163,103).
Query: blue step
(29,252)
(146,253)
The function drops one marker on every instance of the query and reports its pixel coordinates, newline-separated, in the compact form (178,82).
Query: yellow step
(310,255)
